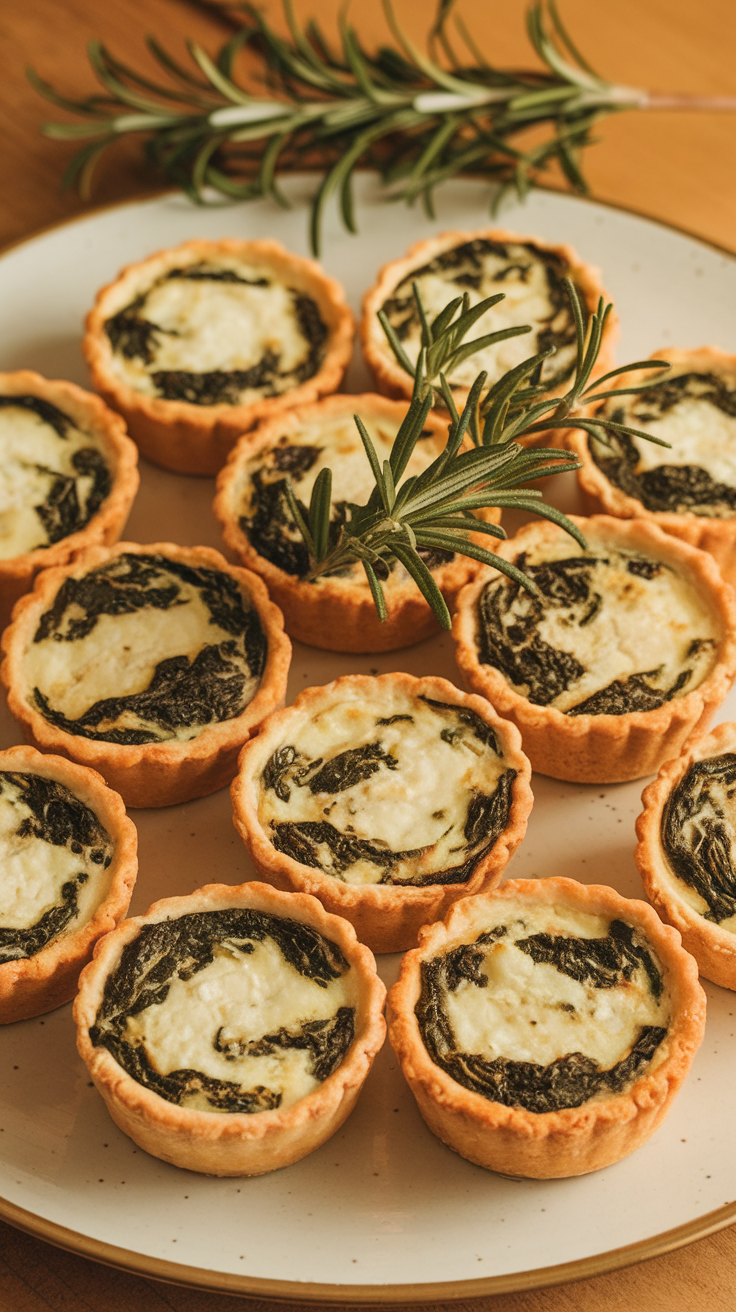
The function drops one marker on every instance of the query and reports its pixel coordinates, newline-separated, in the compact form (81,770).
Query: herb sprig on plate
(420,119)
(434,510)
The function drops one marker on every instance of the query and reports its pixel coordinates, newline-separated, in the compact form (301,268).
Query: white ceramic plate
(383,1212)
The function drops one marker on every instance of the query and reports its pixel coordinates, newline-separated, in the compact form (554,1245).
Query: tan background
(678,166)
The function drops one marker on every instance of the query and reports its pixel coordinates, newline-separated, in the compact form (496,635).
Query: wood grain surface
(676,166)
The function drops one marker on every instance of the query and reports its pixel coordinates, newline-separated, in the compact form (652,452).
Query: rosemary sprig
(435,508)
(416,120)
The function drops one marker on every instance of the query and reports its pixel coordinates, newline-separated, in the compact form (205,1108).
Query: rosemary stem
(665,100)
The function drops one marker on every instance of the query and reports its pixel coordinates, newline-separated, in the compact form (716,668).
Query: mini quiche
(197,343)
(625,650)
(545,1028)
(336,612)
(152,664)
(68,477)
(231,1031)
(529,272)
(387,798)
(687,850)
(68,862)
(689,490)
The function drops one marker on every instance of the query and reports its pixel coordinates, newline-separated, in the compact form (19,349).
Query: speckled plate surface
(383,1212)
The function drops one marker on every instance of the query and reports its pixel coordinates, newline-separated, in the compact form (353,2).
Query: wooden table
(678,167)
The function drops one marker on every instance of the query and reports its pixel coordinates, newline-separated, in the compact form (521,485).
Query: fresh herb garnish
(434,510)
(418,121)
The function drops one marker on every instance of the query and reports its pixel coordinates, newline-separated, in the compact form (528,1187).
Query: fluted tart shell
(574,1140)
(233,1143)
(387,917)
(190,438)
(31,986)
(714,534)
(104,527)
(712,945)
(394,381)
(159,773)
(606,748)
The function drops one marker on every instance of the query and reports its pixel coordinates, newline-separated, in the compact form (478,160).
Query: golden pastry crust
(109,434)
(712,945)
(338,613)
(391,378)
(34,985)
(233,1143)
(607,748)
(387,917)
(196,439)
(151,773)
(574,1140)
(714,535)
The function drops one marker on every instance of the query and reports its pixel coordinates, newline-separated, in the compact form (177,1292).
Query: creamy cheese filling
(229,324)
(530,1011)
(548,1008)
(333,442)
(698,834)
(53,476)
(699,434)
(531,282)
(625,626)
(54,858)
(696,415)
(213,1021)
(145,649)
(393,790)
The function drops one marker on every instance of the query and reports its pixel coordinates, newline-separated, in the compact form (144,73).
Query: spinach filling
(508,637)
(59,818)
(570,1080)
(698,833)
(464,268)
(66,509)
(321,845)
(179,949)
(182,694)
(679,489)
(467,718)
(605,963)
(135,337)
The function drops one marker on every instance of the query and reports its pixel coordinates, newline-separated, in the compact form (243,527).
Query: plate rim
(160,192)
(286,1291)
(162,1269)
